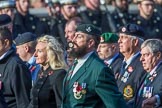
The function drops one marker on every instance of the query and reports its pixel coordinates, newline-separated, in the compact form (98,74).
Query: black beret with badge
(109,38)
(24,38)
(7,4)
(133,30)
(89,29)
(5,20)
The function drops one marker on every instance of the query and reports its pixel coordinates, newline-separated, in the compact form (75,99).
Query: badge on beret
(128,92)
(79,90)
(88,29)
(123,29)
(101,39)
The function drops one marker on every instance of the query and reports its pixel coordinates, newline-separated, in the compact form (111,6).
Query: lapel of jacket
(79,73)
(131,65)
(157,72)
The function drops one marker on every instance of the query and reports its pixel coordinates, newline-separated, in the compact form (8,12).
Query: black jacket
(16,80)
(155,83)
(28,23)
(135,72)
(2,101)
(47,91)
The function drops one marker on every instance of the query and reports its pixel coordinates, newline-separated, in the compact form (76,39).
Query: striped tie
(122,70)
(71,71)
(143,84)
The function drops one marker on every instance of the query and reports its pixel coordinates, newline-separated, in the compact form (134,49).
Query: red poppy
(130,69)
(79,88)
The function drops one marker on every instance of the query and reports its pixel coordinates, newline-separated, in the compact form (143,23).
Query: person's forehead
(70,5)
(23,0)
(147,2)
(124,35)
(145,49)
(41,44)
(80,33)
(121,0)
(19,46)
(105,44)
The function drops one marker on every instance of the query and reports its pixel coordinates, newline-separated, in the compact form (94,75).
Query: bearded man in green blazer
(90,84)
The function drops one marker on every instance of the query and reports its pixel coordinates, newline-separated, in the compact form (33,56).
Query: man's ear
(26,47)
(91,43)
(159,55)
(6,43)
(114,47)
(135,41)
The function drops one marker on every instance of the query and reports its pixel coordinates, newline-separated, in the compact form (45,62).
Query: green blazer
(92,86)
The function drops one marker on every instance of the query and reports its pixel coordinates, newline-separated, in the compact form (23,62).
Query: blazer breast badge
(79,90)
(128,92)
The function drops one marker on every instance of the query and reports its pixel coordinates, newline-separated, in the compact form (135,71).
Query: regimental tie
(71,71)
(143,85)
(122,70)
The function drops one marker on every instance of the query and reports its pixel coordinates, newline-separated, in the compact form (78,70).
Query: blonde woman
(46,93)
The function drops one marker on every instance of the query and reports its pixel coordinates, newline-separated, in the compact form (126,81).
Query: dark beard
(78,52)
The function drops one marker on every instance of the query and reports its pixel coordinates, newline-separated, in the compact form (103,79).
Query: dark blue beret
(132,29)
(24,38)
(89,29)
(4,20)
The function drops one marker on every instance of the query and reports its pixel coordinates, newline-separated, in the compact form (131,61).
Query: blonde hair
(55,52)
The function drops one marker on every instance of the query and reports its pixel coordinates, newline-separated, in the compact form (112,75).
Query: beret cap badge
(101,39)
(88,29)
(123,29)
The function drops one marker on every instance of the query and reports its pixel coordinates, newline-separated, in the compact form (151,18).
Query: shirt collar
(1,57)
(132,58)
(153,70)
(84,58)
(109,61)
(32,60)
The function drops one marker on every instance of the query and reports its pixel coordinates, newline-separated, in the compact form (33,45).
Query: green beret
(89,29)
(109,38)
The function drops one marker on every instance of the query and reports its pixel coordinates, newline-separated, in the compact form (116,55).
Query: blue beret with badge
(89,29)
(5,20)
(24,38)
(7,4)
(133,30)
